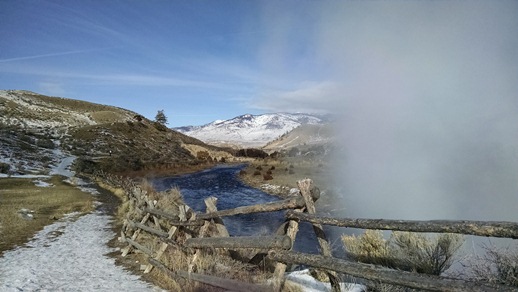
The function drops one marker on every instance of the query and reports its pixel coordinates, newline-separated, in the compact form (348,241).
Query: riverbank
(280,176)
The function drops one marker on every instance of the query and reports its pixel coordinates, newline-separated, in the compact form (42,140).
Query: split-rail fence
(278,247)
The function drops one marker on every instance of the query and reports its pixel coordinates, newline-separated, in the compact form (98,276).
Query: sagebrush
(405,251)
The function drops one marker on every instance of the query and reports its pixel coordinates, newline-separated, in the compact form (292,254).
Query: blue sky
(207,60)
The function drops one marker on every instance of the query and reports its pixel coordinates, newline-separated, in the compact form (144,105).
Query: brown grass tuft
(405,250)
(48,204)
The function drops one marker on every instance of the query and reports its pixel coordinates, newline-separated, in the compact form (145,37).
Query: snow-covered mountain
(249,130)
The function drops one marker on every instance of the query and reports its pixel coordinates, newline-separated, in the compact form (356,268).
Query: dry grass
(370,247)
(210,262)
(407,251)
(496,266)
(287,171)
(47,203)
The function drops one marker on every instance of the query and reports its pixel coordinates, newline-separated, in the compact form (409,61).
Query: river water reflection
(222,182)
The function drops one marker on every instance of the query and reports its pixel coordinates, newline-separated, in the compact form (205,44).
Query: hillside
(37,131)
(249,130)
(303,137)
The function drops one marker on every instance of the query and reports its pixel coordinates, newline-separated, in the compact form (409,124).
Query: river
(223,182)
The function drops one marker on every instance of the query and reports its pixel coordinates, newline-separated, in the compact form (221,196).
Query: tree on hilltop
(161,117)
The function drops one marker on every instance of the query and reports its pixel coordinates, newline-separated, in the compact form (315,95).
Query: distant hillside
(304,136)
(36,131)
(249,130)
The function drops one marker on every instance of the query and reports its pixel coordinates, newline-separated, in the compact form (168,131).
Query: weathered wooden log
(127,250)
(210,203)
(173,219)
(176,245)
(479,228)
(305,187)
(228,284)
(291,203)
(258,242)
(166,241)
(140,247)
(147,229)
(292,227)
(384,275)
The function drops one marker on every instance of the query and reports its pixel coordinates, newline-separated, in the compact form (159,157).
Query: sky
(199,61)
(426,92)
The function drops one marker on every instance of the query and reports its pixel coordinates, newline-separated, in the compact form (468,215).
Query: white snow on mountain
(249,130)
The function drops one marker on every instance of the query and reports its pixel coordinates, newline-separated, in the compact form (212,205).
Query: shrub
(370,247)
(257,172)
(203,155)
(406,251)
(497,266)
(4,167)
(251,152)
(424,255)
(267,176)
(45,143)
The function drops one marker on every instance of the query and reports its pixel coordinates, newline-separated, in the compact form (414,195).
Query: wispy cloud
(312,97)
(52,88)
(57,54)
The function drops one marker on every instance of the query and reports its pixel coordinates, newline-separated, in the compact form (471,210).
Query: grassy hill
(36,131)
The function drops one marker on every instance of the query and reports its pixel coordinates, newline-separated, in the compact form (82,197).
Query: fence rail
(480,228)
(207,231)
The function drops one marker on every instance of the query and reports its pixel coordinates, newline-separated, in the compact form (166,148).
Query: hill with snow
(38,131)
(250,130)
(303,137)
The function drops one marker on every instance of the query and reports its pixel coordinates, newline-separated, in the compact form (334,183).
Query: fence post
(280,268)
(211,208)
(136,198)
(305,189)
(210,203)
(172,231)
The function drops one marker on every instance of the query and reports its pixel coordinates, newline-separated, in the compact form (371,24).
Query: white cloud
(52,88)
(311,97)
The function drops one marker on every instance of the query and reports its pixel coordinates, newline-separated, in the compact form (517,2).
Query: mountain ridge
(250,130)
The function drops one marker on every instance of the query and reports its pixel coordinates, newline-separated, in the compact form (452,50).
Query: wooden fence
(278,247)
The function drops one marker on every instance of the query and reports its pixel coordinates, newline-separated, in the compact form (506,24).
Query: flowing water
(222,182)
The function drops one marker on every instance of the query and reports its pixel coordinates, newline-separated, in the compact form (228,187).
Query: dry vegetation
(209,262)
(407,251)
(47,203)
(285,172)
(414,252)
(496,266)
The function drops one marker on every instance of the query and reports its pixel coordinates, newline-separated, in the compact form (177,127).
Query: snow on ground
(69,255)
(309,284)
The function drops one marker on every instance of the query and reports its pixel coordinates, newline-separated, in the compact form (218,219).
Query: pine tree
(161,117)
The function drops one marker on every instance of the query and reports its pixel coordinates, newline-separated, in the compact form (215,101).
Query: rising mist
(428,103)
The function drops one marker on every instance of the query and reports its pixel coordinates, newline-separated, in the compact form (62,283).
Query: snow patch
(63,168)
(307,283)
(69,255)
(42,184)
